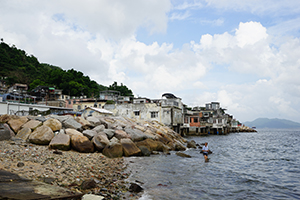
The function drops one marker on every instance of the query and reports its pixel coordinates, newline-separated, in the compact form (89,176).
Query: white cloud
(252,71)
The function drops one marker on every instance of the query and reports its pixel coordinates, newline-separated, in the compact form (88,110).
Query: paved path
(15,187)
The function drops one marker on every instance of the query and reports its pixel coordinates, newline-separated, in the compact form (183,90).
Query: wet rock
(183,155)
(191,144)
(178,146)
(82,144)
(129,148)
(145,151)
(42,135)
(4,132)
(61,142)
(54,124)
(135,188)
(100,141)
(24,133)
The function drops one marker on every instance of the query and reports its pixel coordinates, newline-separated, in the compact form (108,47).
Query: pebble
(66,169)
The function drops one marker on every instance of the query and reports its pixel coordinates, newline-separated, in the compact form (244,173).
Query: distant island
(272,123)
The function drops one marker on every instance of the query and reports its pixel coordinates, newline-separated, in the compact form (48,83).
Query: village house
(168,110)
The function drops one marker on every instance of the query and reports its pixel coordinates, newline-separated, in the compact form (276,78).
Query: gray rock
(100,141)
(61,142)
(16,124)
(89,133)
(4,132)
(92,197)
(191,144)
(99,128)
(145,151)
(72,123)
(135,134)
(94,121)
(109,132)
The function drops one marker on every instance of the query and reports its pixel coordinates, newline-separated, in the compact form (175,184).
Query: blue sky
(244,54)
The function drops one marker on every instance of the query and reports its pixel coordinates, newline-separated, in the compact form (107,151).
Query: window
(195,119)
(154,114)
(137,113)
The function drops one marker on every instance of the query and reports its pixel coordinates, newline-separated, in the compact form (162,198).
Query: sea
(255,165)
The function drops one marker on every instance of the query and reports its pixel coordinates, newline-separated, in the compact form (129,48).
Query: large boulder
(85,123)
(72,123)
(99,128)
(32,124)
(100,141)
(5,118)
(11,131)
(152,145)
(41,135)
(136,134)
(121,134)
(109,132)
(54,124)
(4,132)
(89,133)
(61,142)
(113,150)
(71,132)
(129,148)
(82,144)
(16,124)
(94,121)
(24,133)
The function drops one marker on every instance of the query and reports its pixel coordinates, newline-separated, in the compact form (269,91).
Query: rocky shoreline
(82,155)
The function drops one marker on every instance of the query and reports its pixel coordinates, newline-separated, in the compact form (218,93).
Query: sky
(243,54)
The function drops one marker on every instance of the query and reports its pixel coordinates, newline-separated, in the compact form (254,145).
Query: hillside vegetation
(16,66)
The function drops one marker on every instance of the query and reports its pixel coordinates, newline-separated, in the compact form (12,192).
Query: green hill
(272,123)
(16,66)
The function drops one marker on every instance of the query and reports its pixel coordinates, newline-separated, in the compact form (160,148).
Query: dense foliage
(18,67)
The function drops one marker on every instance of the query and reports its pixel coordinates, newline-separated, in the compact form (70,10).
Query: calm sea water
(262,165)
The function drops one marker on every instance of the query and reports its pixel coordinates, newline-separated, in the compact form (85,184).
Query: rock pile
(112,136)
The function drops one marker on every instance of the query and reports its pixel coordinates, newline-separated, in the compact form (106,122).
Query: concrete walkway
(15,187)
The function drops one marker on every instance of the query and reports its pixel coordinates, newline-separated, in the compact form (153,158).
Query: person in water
(205,151)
